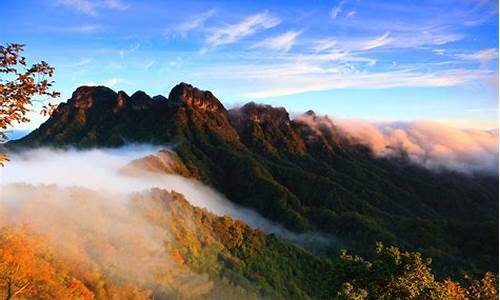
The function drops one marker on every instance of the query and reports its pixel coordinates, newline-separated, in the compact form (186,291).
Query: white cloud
(90,7)
(439,51)
(324,44)
(114,82)
(377,42)
(150,64)
(196,22)
(82,62)
(233,32)
(115,4)
(335,11)
(124,52)
(418,38)
(85,28)
(483,55)
(351,14)
(281,42)
(310,74)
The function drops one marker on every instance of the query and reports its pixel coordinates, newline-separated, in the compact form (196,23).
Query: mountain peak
(185,94)
(262,112)
(87,96)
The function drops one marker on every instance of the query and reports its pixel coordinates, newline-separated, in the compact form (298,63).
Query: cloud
(86,28)
(196,22)
(324,44)
(335,11)
(351,14)
(90,7)
(149,65)
(233,32)
(281,42)
(425,38)
(124,52)
(429,144)
(314,74)
(114,82)
(102,170)
(116,222)
(377,42)
(82,62)
(483,56)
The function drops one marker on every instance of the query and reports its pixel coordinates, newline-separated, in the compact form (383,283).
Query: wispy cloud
(114,82)
(335,11)
(124,52)
(318,81)
(196,22)
(351,14)
(324,44)
(248,26)
(281,42)
(90,7)
(82,62)
(149,65)
(85,28)
(483,56)
(377,42)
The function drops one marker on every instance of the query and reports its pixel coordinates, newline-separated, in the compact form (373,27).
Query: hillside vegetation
(210,257)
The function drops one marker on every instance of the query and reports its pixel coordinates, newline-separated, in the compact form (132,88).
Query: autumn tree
(19,83)
(28,269)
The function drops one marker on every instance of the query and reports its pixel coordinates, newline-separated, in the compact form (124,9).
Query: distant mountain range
(306,178)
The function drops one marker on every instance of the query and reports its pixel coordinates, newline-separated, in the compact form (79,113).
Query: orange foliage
(177,257)
(28,268)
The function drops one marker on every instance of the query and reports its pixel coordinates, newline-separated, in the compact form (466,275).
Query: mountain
(306,177)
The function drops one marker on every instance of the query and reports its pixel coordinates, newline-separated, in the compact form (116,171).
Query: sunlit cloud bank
(429,144)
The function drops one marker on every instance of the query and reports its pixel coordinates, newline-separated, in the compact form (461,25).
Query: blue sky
(378,60)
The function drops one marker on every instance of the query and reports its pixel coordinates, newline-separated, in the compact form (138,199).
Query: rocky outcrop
(185,94)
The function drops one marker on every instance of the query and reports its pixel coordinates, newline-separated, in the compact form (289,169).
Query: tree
(396,274)
(28,269)
(19,83)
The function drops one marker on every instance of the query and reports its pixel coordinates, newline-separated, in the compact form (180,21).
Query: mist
(102,170)
(429,144)
(106,173)
(81,202)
